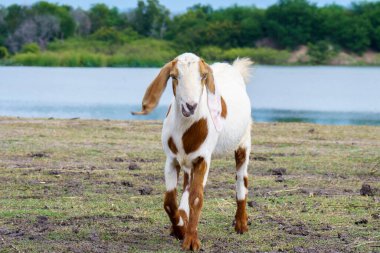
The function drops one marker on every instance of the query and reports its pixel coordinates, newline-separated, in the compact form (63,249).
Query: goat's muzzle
(189,110)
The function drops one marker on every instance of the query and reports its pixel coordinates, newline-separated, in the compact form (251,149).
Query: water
(325,95)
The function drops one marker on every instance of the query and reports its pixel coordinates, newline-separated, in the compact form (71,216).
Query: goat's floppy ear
(206,73)
(213,97)
(156,88)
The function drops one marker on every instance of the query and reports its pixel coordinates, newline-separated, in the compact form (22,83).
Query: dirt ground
(97,186)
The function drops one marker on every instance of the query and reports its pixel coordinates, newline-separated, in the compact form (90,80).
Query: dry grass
(73,186)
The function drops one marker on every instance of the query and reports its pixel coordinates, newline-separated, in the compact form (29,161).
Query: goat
(209,115)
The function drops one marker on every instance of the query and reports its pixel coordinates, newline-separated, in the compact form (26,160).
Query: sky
(175,6)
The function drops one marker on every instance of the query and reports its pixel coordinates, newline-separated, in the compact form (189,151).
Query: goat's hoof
(191,242)
(241,226)
(178,232)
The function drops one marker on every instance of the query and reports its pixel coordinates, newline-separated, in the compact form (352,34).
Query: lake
(324,95)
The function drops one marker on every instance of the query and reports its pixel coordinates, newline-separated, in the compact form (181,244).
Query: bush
(321,52)
(3,53)
(212,53)
(259,55)
(108,34)
(33,48)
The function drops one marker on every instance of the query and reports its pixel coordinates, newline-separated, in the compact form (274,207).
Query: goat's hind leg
(172,169)
(242,158)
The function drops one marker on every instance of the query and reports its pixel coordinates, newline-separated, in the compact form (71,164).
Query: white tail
(243,65)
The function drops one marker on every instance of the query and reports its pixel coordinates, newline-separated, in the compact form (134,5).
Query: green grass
(77,197)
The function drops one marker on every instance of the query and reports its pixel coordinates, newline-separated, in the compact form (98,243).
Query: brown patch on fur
(240,157)
(195,135)
(172,146)
(156,88)
(171,208)
(241,217)
(170,107)
(174,85)
(196,202)
(207,76)
(185,180)
(224,108)
(246,182)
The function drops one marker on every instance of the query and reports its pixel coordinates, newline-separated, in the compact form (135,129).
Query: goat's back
(230,82)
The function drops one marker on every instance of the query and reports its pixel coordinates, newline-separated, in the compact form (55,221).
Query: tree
(102,16)
(16,14)
(3,25)
(150,19)
(66,22)
(343,28)
(292,22)
(370,12)
(82,22)
(40,29)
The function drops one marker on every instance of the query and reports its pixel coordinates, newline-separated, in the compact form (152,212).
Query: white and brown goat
(210,115)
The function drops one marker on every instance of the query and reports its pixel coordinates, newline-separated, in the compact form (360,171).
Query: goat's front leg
(198,177)
(172,169)
(241,217)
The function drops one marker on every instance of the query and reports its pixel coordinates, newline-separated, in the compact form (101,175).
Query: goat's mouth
(186,113)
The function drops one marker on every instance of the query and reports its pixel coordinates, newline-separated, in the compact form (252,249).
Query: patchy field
(97,186)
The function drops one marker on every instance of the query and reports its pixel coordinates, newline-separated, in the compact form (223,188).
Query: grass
(68,186)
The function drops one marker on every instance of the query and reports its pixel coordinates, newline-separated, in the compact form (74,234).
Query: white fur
(242,65)
(230,81)
(170,175)
(184,204)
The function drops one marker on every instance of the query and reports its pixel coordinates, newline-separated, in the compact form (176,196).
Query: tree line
(284,25)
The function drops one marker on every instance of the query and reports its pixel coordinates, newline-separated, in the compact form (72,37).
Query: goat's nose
(191,107)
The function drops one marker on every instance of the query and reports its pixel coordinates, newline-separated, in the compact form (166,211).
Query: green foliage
(292,22)
(259,55)
(102,16)
(67,24)
(108,34)
(320,52)
(150,19)
(139,53)
(32,48)
(217,34)
(3,53)
(212,53)
(371,12)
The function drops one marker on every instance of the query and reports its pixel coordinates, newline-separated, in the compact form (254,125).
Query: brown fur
(206,73)
(224,108)
(185,180)
(246,182)
(241,217)
(171,208)
(156,88)
(170,107)
(195,135)
(196,202)
(240,157)
(172,146)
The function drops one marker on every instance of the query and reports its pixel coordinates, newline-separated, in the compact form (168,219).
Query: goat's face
(189,79)
(190,75)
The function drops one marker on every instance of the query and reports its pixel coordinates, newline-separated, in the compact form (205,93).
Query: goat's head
(190,76)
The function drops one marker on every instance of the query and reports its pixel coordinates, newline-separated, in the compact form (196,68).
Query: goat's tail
(243,65)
